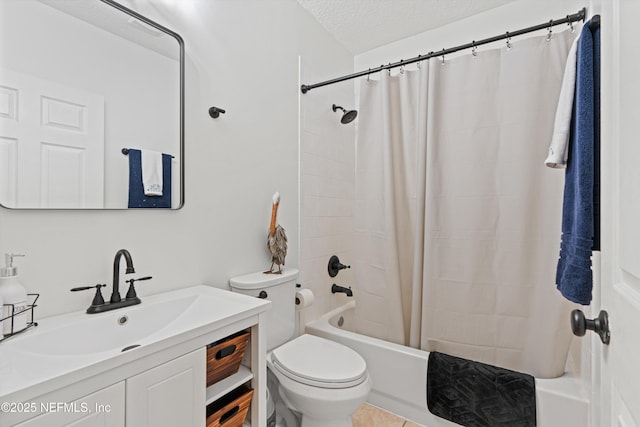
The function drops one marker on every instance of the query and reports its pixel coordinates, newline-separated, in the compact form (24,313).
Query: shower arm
(569,19)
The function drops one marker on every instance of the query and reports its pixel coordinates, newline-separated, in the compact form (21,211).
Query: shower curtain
(457,219)
(389,179)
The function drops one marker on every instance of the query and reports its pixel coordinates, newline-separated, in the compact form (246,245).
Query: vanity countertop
(66,349)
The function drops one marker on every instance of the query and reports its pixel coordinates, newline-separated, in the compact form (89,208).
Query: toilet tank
(280,289)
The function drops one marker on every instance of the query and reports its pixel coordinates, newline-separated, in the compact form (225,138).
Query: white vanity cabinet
(156,379)
(169,395)
(104,408)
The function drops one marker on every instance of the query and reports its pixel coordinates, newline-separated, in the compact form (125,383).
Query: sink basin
(109,331)
(85,351)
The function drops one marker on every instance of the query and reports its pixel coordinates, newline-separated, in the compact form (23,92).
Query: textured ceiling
(361,25)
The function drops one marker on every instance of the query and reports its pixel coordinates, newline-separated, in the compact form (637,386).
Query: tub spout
(336,288)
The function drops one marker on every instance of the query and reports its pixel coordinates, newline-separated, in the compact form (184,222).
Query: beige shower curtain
(457,219)
(389,181)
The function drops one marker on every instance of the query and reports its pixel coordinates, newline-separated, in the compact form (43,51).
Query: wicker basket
(231,409)
(224,356)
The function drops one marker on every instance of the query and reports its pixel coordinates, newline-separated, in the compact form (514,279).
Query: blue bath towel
(137,198)
(581,205)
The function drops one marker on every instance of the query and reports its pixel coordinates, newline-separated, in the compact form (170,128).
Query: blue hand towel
(580,210)
(137,198)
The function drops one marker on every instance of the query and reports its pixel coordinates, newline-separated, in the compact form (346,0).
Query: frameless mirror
(91,107)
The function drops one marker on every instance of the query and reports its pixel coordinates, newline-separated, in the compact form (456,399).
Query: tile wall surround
(327,165)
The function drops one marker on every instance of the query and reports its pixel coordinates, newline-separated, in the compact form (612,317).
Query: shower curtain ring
(419,62)
(508,41)
(442,56)
(474,49)
(571,25)
(369,75)
(549,34)
(401,68)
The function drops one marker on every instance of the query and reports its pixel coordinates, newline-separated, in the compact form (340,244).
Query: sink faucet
(99,305)
(115,293)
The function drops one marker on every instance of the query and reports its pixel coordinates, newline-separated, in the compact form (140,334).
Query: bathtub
(560,402)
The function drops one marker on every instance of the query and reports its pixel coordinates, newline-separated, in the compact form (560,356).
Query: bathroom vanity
(137,366)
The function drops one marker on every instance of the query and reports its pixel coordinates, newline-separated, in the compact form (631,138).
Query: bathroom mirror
(81,80)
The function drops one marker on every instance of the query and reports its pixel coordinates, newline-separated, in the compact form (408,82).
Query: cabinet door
(169,395)
(104,408)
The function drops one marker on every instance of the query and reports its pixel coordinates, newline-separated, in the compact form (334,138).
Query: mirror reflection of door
(52,140)
(80,81)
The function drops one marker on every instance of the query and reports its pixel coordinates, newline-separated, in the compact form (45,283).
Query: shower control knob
(335,266)
(599,325)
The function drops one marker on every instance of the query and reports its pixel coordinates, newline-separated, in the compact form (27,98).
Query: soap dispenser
(14,296)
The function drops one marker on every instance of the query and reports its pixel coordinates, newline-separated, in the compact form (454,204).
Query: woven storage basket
(224,356)
(231,409)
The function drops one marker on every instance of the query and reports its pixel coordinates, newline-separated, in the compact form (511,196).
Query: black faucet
(336,288)
(99,305)
(115,292)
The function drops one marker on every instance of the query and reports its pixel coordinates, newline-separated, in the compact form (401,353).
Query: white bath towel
(151,172)
(559,147)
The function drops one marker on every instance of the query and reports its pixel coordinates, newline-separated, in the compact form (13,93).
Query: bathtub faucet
(336,288)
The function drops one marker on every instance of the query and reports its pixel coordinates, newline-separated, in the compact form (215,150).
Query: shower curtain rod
(580,16)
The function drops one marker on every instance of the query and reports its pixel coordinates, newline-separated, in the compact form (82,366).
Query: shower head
(348,116)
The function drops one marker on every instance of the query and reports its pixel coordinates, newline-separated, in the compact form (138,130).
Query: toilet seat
(319,362)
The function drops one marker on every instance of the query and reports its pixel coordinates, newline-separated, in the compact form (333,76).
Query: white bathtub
(402,390)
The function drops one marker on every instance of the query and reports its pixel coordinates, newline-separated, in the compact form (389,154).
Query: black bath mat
(474,394)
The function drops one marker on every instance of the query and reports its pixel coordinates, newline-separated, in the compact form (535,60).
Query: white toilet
(322,381)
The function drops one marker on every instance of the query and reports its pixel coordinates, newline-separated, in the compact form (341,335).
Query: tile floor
(371,416)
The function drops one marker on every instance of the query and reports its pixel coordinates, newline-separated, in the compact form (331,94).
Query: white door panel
(619,399)
(58,139)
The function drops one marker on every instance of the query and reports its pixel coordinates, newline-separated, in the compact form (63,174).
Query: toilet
(322,382)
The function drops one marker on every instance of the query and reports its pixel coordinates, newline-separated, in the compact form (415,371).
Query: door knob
(599,325)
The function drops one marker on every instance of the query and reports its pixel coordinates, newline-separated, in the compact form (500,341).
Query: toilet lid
(320,362)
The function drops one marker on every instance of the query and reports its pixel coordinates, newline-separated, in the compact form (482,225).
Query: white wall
(241,56)
(510,17)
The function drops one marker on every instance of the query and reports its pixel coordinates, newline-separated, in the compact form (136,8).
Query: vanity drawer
(231,409)
(224,356)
